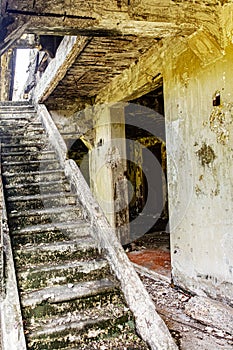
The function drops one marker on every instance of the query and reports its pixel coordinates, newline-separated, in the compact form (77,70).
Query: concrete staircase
(70,298)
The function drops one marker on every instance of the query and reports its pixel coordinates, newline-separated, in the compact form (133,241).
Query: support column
(7,70)
(108,166)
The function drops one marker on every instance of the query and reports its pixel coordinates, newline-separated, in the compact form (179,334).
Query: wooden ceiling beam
(148,18)
(141,77)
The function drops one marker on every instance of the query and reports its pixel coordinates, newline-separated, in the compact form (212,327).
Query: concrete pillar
(199,127)
(7,69)
(108,167)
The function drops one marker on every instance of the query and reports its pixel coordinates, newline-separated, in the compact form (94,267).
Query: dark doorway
(147,175)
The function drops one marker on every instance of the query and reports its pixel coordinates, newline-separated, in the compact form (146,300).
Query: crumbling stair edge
(149,324)
(12,332)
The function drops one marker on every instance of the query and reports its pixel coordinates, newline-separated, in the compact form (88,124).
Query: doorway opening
(147,174)
(79,152)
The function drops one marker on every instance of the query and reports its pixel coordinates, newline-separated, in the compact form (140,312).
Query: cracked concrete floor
(151,256)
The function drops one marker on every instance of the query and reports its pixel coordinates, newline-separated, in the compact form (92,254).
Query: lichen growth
(220,118)
(206,154)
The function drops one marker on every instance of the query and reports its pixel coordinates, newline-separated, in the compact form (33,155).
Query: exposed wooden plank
(68,51)
(112,25)
(78,8)
(141,77)
(12,38)
(178,13)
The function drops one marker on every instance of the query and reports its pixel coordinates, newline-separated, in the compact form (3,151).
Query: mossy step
(15,105)
(37,188)
(40,201)
(28,156)
(34,128)
(109,310)
(20,114)
(125,341)
(32,177)
(9,127)
(23,147)
(79,332)
(19,140)
(66,293)
(65,213)
(128,341)
(35,254)
(55,232)
(53,274)
(32,165)
(23,142)
(61,300)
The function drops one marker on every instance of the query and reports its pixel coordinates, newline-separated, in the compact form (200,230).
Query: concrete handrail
(1,236)
(12,333)
(149,324)
(53,134)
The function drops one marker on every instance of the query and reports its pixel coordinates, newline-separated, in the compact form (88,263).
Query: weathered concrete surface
(11,326)
(12,333)
(211,312)
(6,75)
(53,133)
(108,166)
(198,108)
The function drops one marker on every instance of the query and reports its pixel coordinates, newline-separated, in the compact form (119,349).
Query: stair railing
(12,333)
(149,324)
(1,237)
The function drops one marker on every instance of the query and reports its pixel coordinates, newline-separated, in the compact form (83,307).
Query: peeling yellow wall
(200,168)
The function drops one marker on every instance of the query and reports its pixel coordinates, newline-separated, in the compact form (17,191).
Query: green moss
(40,279)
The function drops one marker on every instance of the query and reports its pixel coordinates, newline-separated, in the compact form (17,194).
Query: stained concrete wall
(200,168)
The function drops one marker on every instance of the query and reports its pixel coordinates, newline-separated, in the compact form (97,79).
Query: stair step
(65,213)
(31,128)
(37,277)
(21,113)
(78,332)
(33,177)
(55,232)
(37,187)
(40,201)
(27,155)
(54,252)
(18,140)
(23,147)
(42,304)
(22,139)
(109,311)
(16,104)
(33,165)
(26,131)
(66,293)
(8,127)
(73,331)
(122,342)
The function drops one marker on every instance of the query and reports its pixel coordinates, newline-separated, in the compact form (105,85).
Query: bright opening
(21,73)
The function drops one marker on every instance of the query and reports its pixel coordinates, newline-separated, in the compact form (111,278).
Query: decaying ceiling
(115,35)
